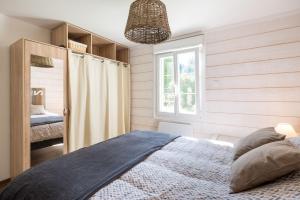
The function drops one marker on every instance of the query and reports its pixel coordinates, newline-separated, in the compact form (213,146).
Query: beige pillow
(263,164)
(37,109)
(256,139)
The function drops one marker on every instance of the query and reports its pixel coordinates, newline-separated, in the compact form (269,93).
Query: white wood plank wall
(52,80)
(252,79)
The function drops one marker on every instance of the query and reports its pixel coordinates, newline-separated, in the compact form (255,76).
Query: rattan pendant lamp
(147,22)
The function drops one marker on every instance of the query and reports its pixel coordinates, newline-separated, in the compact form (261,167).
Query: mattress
(45,127)
(192,169)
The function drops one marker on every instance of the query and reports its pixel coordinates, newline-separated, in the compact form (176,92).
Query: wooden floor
(3,184)
(48,153)
(39,156)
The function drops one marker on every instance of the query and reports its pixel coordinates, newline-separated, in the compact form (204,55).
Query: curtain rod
(102,58)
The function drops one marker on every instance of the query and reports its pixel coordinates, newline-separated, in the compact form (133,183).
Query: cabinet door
(21,98)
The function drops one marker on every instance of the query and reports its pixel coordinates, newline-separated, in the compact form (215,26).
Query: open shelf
(122,54)
(103,47)
(79,35)
(96,44)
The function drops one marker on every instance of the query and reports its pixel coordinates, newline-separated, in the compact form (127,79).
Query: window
(178,86)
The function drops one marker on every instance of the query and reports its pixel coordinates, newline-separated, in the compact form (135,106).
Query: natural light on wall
(286,129)
(178,78)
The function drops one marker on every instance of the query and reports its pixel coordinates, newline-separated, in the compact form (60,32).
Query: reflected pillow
(295,141)
(264,164)
(256,139)
(37,110)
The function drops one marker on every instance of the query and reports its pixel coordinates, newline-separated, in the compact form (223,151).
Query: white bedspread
(191,169)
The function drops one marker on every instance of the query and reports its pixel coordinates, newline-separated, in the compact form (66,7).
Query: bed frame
(46,143)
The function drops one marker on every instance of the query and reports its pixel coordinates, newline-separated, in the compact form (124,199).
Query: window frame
(199,87)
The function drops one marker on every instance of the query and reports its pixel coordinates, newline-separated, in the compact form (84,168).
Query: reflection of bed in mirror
(46,127)
(46,108)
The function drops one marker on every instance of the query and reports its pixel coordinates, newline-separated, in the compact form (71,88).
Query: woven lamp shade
(147,22)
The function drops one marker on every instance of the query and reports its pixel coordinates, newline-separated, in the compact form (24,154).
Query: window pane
(167,91)
(187,103)
(187,82)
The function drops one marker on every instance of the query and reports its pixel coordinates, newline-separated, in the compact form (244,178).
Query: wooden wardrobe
(20,54)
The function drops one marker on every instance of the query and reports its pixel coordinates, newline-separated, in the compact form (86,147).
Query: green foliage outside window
(187,88)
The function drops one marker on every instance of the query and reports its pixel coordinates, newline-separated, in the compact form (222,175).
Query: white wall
(52,80)
(252,79)
(10,31)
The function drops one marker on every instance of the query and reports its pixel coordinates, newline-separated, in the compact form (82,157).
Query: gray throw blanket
(45,120)
(80,174)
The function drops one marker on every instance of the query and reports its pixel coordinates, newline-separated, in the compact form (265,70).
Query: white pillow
(295,141)
(37,109)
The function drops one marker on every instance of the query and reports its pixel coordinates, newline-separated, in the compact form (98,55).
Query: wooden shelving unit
(96,45)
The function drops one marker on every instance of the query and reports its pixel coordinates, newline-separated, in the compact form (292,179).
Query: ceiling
(108,17)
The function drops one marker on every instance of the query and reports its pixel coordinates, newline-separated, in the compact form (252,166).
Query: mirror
(46,108)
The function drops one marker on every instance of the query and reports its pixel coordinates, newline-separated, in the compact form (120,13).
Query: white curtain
(99,100)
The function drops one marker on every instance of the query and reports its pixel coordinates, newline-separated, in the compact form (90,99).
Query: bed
(192,169)
(177,168)
(46,130)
